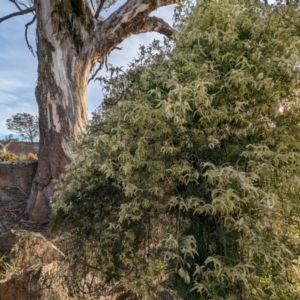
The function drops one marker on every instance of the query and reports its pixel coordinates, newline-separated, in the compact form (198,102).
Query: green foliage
(190,177)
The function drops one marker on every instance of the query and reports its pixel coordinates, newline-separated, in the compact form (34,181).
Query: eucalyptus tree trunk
(70,41)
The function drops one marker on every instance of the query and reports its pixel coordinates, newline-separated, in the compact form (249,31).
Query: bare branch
(23,4)
(16,4)
(26,34)
(157,25)
(96,71)
(101,63)
(99,9)
(4,147)
(130,18)
(123,92)
(18,13)
(92,4)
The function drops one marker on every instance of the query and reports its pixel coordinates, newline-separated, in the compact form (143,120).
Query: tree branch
(26,34)
(131,18)
(157,25)
(136,8)
(92,5)
(18,13)
(16,4)
(93,76)
(99,9)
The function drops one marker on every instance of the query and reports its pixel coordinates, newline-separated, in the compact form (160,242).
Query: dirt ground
(12,216)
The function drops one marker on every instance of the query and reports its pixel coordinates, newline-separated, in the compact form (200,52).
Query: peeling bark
(69,43)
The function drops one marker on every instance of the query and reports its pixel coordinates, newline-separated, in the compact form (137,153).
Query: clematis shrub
(188,182)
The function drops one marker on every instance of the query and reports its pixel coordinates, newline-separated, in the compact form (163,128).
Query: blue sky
(18,67)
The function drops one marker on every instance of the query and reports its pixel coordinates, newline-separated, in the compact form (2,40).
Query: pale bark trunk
(63,72)
(69,42)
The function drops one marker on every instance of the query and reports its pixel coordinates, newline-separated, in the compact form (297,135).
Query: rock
(17,174)
(27,248)
(12,195)
(31,262)
(35,270)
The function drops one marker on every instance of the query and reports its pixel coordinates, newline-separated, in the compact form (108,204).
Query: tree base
(38,206)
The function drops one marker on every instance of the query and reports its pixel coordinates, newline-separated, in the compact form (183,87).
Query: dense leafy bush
(190,177)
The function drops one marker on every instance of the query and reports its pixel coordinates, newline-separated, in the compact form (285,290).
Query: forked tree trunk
(70,40)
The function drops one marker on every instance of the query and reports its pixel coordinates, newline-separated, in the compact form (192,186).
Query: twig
(92,4)
(286,19)
(16,187)
(99,9)
(16,4)
(96,72)
(26,36)
(29,222)
(4,147)
(22,191)
(121,96)
(21,3)
(106,63)
(18,13)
